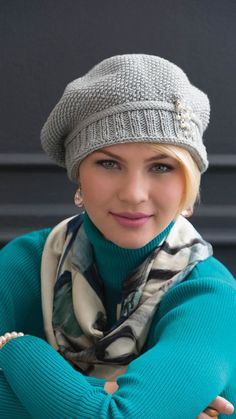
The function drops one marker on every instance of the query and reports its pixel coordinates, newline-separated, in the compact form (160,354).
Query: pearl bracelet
(8,336)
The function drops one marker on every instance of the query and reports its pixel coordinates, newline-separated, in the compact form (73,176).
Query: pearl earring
(187,213)
(78,198)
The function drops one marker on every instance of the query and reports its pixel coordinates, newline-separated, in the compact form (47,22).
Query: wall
(46,44)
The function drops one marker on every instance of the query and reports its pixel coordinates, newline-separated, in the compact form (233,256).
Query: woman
(133,302)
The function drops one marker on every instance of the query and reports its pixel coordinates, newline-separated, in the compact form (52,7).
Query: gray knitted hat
(127,98)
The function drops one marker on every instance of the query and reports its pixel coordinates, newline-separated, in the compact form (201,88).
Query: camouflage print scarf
(73,298)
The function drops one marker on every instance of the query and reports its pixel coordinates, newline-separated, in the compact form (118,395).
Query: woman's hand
(8,336)
(218,406)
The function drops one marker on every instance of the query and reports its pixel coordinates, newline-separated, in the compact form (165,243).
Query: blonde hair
(191,172)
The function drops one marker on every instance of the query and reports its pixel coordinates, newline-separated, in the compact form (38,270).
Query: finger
(203,415)
(222,405)
(211,412)
(111,387)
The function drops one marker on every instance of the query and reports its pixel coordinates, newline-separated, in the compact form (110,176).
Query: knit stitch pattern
(127,98)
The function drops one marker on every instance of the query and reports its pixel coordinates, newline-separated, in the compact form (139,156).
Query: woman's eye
(108,164)
(161,168)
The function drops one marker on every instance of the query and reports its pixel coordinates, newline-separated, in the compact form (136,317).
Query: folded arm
(178,377)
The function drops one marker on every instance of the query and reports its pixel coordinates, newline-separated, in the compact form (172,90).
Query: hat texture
(127,98)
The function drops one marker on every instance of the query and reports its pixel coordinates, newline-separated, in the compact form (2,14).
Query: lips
(129,219)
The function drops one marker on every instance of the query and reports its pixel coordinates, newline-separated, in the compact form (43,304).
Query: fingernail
(229,407)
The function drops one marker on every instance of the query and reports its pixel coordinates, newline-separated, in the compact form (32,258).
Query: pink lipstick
(129,219)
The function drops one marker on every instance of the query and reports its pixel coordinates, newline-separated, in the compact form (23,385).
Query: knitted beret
(126,98)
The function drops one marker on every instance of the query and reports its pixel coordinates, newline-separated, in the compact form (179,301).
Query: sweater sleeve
(20,307)
(192,361)
(20,261)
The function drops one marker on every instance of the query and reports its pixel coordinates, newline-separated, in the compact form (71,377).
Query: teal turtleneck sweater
(116,263)
(189,358)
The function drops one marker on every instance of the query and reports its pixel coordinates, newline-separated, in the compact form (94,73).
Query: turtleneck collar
(115,263)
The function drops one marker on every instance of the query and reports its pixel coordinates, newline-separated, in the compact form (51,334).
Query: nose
(133,189)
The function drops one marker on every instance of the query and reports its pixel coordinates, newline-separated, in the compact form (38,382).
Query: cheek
(90,193)
(171,193)
(94,189)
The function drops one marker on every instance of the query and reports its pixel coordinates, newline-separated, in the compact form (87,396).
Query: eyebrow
(115,156)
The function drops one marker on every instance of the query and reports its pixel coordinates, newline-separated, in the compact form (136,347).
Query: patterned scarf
(73,296)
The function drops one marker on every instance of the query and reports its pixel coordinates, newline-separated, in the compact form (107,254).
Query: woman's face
(130,192)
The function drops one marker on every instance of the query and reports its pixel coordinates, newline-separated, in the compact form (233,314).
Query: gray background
(45,44)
